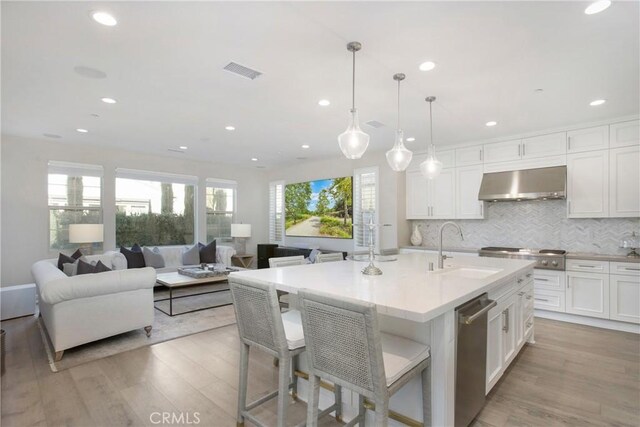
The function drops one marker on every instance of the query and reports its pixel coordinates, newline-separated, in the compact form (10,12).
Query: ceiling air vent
(175,150)
(242,71)
(375,124)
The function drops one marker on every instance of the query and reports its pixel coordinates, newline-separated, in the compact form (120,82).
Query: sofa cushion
(134,259)
(71,268)
(208,253)
(62,258)
(101,268)
(153,257)
(85,268)
(191,255)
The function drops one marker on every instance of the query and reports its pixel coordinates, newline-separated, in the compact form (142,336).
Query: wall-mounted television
(321,208)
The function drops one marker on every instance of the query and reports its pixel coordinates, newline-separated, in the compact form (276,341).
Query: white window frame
(166,178)
(55,167)
(222,183)
(363,245)
(274,188)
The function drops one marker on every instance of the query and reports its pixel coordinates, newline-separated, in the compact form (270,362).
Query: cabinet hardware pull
(528,296)
(541,299)
(632,269)
(524,147)
(529,324)
(518,150)
(481,208)
(520,294)
(569,205)
(541,279)
(590,266)
(568,143)
(481,154)
(520,280)
(505,313)
(529,274)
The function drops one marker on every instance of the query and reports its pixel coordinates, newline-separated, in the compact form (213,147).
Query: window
(154,208)
(365,206)
(75,197)
(276,212)
(221,208)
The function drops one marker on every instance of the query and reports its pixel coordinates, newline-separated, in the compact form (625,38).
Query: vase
(416,236)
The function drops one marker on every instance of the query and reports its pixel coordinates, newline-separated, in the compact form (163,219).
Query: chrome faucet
(441,257)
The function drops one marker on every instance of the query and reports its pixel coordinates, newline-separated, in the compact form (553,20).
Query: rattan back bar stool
(329,257)
(262,325)
(346,347)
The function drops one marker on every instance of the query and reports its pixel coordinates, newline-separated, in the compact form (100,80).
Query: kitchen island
(417,304)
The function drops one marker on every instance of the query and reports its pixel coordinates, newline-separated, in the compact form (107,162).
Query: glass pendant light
(353,142)
(399,157)
(431,167)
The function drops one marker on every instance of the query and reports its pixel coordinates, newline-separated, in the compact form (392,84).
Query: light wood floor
(574,375)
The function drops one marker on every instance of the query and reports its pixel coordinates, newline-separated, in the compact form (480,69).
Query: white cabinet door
(624,134)
(494,347)
(553,144)
(624,179)
(417,204)
(468,181)
(502,151)
(443,195)
(548,280)
(469,156)
(595,138)
(447,157)
(588,294)
(625,298)
(509,330)
(588,184)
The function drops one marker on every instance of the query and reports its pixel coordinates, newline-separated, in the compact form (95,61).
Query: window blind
(365,207)
(167,178)
(276,212)
(74,169)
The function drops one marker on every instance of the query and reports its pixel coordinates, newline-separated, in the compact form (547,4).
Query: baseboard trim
(589,321)
(17,301)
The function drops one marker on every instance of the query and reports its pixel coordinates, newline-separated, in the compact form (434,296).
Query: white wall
(391,191)
(24,196)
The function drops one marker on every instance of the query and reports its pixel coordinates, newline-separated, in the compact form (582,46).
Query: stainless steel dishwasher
(471,358)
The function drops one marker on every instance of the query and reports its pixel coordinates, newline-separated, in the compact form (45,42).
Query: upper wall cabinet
(552,144)
(469,156)
(588,184)
(624,134)
(595,138)
(431,199)
(624,179)
(417,195)
(468,180)
(502,151)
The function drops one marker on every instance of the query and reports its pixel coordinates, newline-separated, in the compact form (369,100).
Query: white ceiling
(164,66)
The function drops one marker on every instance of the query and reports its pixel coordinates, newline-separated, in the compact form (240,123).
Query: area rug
(164,328)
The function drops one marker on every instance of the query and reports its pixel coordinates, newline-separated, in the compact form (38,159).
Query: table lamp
(86,235)
(240,234)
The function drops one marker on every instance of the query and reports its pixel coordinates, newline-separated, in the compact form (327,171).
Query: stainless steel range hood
(527,184)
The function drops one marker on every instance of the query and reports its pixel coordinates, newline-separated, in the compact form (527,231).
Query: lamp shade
(240,230)
(86,233)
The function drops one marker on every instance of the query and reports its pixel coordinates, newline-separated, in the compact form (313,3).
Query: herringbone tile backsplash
(536,224)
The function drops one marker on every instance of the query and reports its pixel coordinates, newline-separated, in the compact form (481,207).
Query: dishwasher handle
(469,319)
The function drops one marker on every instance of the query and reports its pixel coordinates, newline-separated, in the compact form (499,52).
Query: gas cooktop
(550,259)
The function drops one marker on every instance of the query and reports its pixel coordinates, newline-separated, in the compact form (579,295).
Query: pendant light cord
(398,105)
(353,83)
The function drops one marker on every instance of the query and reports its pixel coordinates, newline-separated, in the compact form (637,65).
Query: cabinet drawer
(549,300)
(502,291)
(589,266)
(549,280)
(625,268)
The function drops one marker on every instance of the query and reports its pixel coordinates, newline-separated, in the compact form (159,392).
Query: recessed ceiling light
(491,123)
(104,18)
(597,7)
(94,115)
(539,90)
(183,147)
(230,128)
(427,66)
(411,139)
(324,102)
(305,146)
(82,130)
(254,159)
(597,102)
(108,100)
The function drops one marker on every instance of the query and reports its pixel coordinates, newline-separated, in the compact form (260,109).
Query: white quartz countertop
(405,289)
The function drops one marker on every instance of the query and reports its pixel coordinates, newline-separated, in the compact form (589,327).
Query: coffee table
(176,280)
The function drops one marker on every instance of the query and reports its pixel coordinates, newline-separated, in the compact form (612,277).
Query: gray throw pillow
(191,255)
(71,269)
(153,257)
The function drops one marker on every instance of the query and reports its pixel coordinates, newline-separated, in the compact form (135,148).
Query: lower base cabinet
(624,298)
(588,294)
(509,326)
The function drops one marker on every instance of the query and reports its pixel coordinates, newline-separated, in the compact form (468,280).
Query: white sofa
(85,308)
(173,256)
